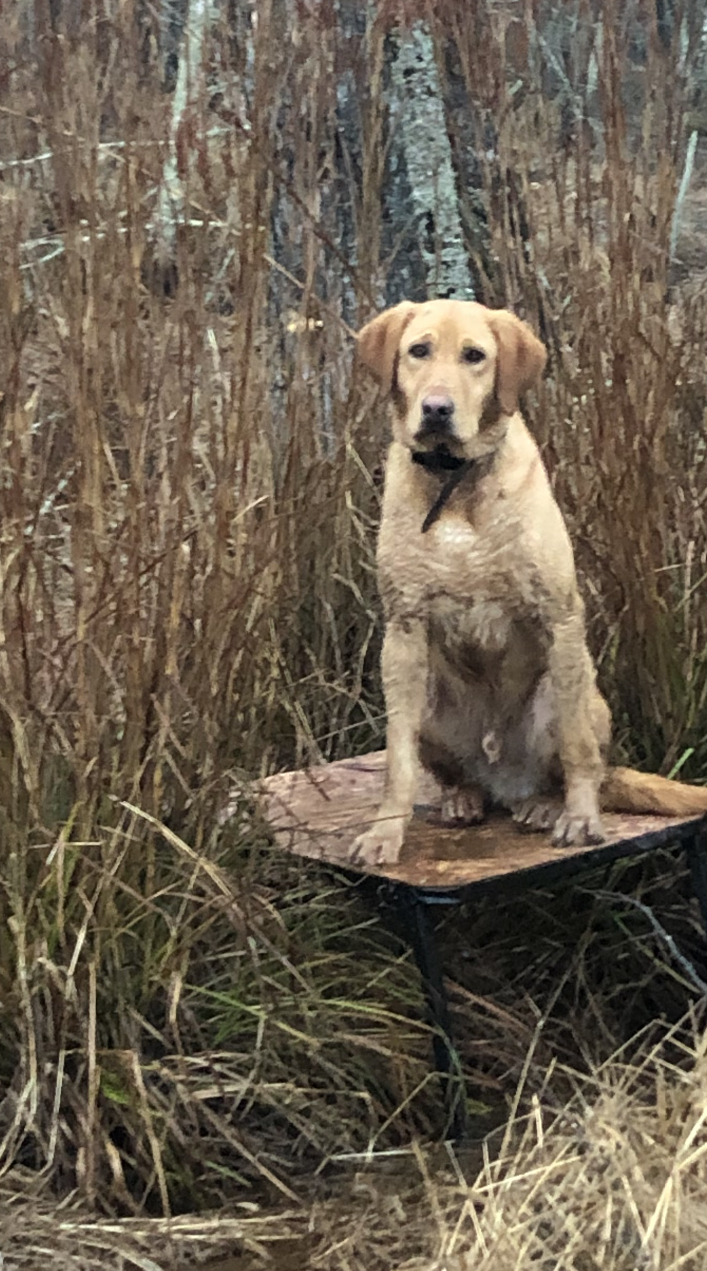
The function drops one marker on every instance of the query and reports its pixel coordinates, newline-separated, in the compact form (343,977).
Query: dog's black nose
(437,411)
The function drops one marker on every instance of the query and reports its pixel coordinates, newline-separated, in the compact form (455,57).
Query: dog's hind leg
(545,808)
(463,800)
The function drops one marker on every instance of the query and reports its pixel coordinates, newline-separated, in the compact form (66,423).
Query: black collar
(440,462)
(437,461)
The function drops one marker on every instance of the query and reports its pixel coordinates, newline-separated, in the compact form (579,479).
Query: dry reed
(188,508)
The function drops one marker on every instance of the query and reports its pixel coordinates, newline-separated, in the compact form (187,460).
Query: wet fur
(486,672)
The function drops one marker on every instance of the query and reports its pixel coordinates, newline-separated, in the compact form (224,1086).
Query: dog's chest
(465,584)
(488,640)
(464,579)
(480,623)
(457,553)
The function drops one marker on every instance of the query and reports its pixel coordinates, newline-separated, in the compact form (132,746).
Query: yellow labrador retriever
(487,677)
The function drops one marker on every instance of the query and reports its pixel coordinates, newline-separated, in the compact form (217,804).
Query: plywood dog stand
(318,812)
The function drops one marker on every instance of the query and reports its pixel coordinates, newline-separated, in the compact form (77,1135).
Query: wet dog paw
(577,831)
(538,815)
(381,844)
(462,807)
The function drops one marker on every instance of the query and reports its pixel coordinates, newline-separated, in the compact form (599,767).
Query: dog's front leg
(573,680)
(404,667)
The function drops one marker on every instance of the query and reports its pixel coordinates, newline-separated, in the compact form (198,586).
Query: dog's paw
(577,831)
(462,807)
(381,844)
(533,816)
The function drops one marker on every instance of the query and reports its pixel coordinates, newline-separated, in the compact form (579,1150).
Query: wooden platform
(318,812)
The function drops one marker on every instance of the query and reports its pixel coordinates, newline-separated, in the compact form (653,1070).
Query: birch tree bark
(422,145)
(171,200)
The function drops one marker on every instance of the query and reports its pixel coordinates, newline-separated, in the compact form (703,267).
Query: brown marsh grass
(187,508)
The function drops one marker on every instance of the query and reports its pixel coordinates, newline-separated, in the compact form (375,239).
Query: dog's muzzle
(437,417)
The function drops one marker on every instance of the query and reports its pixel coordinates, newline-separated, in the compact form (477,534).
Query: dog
(487,676)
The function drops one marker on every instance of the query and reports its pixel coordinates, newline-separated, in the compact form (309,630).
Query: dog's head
(450,367)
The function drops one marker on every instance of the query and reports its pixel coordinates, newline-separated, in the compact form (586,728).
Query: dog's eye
(419,350)
(474,356)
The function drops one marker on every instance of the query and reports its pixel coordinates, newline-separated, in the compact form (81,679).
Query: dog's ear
(521,358)
(378,342)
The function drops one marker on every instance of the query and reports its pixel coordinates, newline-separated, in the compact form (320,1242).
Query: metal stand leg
(697,856)
(424,945)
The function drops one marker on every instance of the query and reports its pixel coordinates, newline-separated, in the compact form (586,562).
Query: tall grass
(188,509)
(581,199)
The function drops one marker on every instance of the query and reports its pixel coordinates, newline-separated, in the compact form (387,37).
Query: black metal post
(424,946)
(697,857)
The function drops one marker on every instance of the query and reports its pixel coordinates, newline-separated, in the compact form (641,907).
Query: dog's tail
(625,790)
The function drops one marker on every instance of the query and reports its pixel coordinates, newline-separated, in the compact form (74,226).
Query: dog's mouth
(435,433)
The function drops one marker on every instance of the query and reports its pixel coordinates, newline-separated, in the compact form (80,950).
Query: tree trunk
(421,141)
